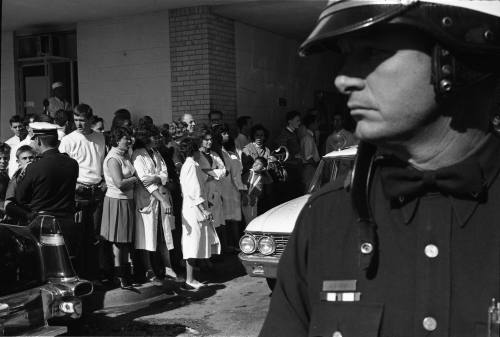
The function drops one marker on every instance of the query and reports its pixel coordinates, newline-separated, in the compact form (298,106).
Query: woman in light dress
(118,212)
(199,238)
(154,221)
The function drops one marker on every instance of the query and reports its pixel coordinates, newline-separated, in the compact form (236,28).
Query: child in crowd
(25,154)
(4,177)
(255,179)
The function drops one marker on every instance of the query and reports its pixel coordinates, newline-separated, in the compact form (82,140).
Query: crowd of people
(142,202)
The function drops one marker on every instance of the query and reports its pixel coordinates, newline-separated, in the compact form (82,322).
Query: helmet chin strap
(450,75)
(443,71)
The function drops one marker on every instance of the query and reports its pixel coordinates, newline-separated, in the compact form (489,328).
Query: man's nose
(351,76)
(346,84)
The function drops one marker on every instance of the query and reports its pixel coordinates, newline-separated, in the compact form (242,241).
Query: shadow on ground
(120,321)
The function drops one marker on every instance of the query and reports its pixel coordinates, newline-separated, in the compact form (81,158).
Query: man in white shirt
(19,130)
(22,136)
(57,101)
(88,149)
(309,150)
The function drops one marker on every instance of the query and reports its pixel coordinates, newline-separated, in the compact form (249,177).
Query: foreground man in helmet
(413,247)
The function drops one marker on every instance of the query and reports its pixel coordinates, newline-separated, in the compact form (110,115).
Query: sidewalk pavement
(103,298)
(227,267)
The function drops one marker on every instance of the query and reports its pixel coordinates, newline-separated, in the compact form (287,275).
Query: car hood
(280,219)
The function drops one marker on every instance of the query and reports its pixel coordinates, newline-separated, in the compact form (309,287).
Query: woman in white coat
(153,219)
(199,238)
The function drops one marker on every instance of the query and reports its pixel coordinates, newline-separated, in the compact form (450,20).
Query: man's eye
(377,55)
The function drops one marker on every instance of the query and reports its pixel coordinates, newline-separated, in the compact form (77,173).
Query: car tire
(271,282)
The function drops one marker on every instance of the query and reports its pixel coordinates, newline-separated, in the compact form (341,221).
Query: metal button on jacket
(337,334)
(431,251)
(429,323)
(366,248)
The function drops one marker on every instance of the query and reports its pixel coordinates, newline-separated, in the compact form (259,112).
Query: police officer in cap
(412,248)
(49,184)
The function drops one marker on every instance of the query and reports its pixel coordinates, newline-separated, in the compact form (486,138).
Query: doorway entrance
(42,60)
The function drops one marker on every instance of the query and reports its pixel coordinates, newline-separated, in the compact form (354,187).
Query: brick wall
(203,63)
(222,60)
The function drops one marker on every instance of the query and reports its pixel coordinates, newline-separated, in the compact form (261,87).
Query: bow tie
(463,180)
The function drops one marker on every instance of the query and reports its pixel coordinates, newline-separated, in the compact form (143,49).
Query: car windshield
(329,170)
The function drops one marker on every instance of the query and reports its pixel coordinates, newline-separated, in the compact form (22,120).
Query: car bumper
(260,266)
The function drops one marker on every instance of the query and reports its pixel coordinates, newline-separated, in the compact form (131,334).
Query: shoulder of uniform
(327,191)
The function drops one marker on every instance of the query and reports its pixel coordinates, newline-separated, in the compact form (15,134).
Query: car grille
(280,240)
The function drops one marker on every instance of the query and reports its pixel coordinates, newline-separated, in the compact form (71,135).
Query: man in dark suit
(49,185)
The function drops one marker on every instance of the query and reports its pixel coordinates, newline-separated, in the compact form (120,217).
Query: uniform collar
(50,152)
(487,156)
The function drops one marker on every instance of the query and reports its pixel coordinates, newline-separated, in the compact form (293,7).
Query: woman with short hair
(118,212)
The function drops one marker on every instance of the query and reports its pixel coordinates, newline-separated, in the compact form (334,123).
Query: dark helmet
(463,26)
(466,30)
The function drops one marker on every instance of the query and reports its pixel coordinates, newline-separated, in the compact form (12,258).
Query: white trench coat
(148,208)
(199,238)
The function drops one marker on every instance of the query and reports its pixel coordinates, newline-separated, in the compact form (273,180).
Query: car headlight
(248,244)
(267,245)
(72,307)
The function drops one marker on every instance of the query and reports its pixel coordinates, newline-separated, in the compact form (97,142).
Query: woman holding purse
(199,238)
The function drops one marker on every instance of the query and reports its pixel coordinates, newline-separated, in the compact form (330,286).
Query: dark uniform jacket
(49,184)
(438,264)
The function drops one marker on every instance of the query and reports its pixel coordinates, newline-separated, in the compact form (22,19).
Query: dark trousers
(72,233)
(88,217)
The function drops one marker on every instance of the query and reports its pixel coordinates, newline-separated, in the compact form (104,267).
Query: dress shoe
(193,285)
(170,274)
(123,283)
(151,277)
